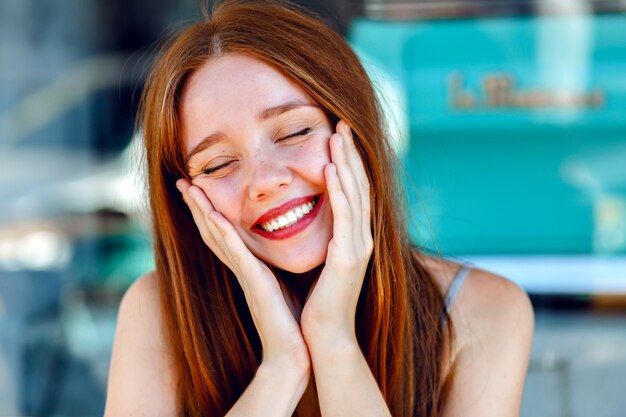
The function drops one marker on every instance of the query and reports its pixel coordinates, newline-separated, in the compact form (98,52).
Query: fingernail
(179,186)
(340,142)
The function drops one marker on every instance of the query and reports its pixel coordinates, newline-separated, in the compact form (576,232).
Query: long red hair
(212,337)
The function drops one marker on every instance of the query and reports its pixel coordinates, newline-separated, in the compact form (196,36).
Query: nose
(267,176)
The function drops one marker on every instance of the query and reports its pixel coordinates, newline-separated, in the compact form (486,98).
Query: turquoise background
(510,181)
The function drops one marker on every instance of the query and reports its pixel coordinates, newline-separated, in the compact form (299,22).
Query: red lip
(295,228)
(283,208)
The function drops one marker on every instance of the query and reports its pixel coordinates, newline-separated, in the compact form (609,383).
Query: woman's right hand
(282,340)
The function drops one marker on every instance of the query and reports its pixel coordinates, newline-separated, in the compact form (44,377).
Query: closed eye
(208,171)
(302,132)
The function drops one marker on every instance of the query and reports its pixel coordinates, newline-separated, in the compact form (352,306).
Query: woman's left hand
(330,310)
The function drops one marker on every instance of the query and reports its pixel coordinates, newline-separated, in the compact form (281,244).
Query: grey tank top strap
(453,289)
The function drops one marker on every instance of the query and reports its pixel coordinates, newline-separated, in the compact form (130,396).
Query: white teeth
(282,221)
(288,218)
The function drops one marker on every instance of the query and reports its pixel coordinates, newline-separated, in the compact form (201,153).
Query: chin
(297,264)
(299,267)
(302,269)
(300,257)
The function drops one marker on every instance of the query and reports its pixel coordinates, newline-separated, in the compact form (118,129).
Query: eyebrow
(205,143)
(283,108)
(265,114)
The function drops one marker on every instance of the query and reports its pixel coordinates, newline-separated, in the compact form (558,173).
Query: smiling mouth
(290,218)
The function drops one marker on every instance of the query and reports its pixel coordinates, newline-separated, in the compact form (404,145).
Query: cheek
(311,158)
(223,197)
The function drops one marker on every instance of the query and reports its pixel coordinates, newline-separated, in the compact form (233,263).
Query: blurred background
(508,116)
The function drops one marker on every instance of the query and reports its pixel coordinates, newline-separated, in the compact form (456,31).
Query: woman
(285,281)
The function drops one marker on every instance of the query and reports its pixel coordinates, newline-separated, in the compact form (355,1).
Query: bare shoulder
(493,324)
(140,378)
(490,308)
(484,302)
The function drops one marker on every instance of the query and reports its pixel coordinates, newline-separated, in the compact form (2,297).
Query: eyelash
(208,171)
(302,132)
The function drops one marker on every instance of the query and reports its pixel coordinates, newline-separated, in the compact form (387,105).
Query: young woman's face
(257,144)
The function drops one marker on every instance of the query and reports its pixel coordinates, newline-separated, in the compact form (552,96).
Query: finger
(184,188)
(216,227)
(355,162)
(200,208)
(349,191)
(200,218)
(249,270)
(339,155)
(201,199)
(342,212)
(360,175)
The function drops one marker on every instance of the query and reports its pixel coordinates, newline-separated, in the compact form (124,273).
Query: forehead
(228,92)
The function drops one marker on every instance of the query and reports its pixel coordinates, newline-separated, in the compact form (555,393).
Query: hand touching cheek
(330,310)
(283,344)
